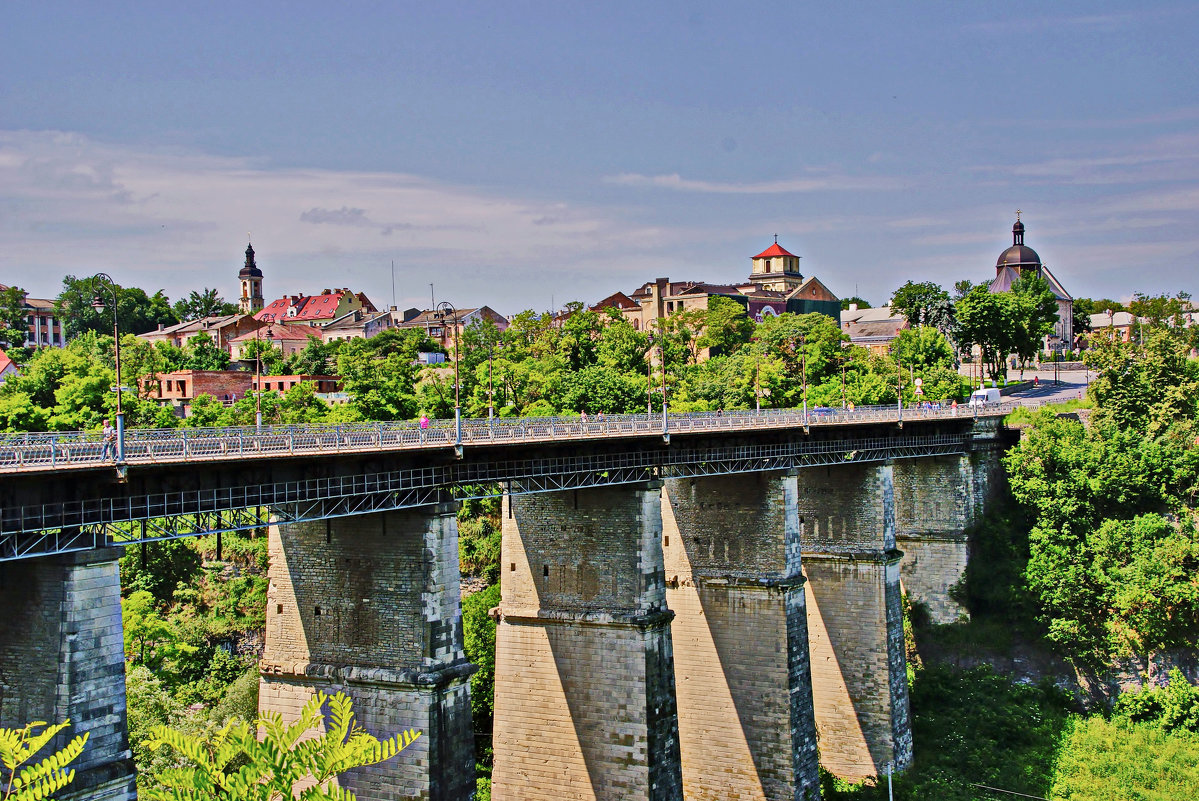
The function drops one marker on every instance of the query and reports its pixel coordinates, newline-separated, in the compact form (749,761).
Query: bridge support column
(855,619)
(743,677)
(937,500)
(934,508)
(584,679)
(62,656)
(369,605)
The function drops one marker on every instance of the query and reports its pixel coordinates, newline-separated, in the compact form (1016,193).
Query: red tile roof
(773,250)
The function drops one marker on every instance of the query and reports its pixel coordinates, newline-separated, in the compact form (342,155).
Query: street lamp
(270,337)
(649,376)
(757,381)
(446,309)
(490,380)
(104,281)
(803,361)
(844,393)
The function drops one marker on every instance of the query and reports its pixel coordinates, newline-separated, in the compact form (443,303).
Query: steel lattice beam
(35,531)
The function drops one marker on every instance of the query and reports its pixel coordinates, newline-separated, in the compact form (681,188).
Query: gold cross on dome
(1017,215)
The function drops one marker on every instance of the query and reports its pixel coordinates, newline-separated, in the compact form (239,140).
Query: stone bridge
(699,606)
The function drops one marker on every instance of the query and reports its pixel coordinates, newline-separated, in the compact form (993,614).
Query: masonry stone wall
(855,622)
(584,687)
(62,656)
(742,674)
(369,605)
(934,508)
(937,500)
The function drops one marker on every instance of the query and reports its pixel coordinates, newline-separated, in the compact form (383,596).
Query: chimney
(853,307)
(160,326)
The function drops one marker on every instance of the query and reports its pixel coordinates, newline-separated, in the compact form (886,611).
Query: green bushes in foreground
(1115,760)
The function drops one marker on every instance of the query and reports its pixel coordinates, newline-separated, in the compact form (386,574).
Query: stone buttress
(62,656)
(369,605)
(742,673)
(855,618)
(584,677)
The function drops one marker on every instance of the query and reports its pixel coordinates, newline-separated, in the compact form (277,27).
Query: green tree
(150,638)
(726,326)
(137,312)
(235,765)
(14,330)
(1035,309)
(201,353)
(21,782)
(991,321)
(478,638)
(205,303)
(1160,310)
(924,303)
(862,303)
(923,348)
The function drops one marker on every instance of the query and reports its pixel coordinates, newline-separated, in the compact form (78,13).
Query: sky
(527,154)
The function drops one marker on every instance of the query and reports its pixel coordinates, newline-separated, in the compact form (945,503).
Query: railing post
(185,443)
(53,451)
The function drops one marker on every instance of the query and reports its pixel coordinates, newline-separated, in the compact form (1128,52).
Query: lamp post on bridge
(803,361)
(444,310)
(270,337)
(649,376)
(104,281)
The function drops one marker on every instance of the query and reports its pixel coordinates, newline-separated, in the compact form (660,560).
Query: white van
(981,397)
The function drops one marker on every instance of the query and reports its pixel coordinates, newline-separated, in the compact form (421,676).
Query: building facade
(774,286)
(1020,260)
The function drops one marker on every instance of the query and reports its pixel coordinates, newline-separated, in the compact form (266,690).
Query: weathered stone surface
(369,605)
(61,656)
(855,621)
(937,500)
(584,704)
(742,674)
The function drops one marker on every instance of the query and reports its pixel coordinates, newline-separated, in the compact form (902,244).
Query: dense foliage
(22,781)
(583,362)
(268,760)
(190,626)
(1113,549)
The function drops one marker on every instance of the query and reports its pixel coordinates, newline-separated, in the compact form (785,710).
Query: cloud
(1025,24)
(785,186)
(342,216)
(173,219)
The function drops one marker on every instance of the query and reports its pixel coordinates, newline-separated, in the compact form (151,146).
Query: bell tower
(250,278)
(776,269)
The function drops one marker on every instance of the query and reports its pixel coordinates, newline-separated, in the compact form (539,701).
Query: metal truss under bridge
(32,531)
(83,450)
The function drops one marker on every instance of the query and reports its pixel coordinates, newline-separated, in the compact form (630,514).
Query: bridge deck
(55,451)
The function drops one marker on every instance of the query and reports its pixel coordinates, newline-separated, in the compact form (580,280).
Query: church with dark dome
(1020,260)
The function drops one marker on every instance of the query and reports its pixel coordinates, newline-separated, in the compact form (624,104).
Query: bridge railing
(66,449)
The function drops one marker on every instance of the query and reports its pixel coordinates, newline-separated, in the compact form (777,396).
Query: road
(1072,386)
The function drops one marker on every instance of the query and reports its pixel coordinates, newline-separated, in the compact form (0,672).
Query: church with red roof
(775,285)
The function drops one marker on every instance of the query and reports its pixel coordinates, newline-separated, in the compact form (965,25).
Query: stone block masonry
(937,500)
(742,673)
(855,620)
(584,696)
(62,656)
(369,605)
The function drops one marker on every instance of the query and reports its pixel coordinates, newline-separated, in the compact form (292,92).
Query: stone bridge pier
(62,656)
(742,674)
(584,678)
(369,605)
(855,619)
(937,500)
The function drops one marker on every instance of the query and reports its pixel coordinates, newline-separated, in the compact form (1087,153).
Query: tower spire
(250,278)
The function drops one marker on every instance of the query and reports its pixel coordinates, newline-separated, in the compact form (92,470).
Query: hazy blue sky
(514,153)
